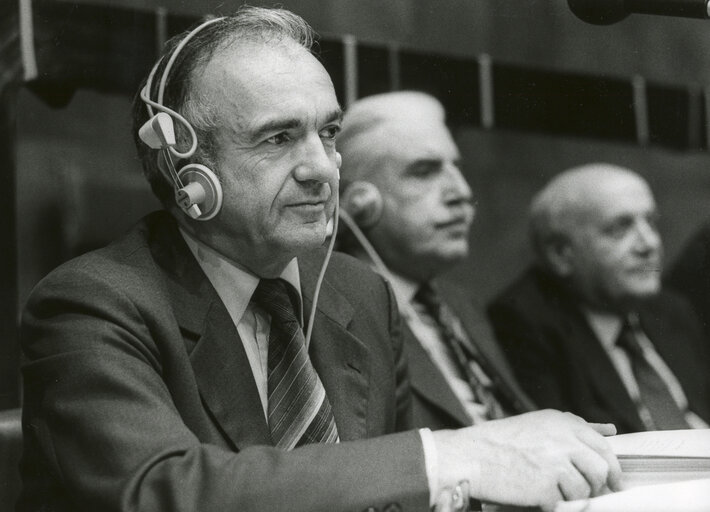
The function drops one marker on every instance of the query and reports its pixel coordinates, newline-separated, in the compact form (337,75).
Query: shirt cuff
(431,463)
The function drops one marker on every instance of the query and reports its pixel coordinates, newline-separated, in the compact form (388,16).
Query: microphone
(605,12)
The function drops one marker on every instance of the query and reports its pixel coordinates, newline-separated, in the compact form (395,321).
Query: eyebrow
(278,125)
(430,161)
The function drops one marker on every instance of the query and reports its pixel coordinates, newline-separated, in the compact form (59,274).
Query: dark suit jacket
(689,274)
(139,395)
(561,364)
(434,403)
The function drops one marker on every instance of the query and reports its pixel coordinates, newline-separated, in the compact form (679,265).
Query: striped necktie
(470,366)
(657,408)
(298,409)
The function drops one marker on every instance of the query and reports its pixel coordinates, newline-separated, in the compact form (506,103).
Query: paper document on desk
(662,456)
(692,443)
(688,496)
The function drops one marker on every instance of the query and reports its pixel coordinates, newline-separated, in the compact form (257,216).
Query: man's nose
(317,161)
(456,188)
(647,236)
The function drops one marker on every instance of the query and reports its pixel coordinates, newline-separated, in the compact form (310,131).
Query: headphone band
(171,61)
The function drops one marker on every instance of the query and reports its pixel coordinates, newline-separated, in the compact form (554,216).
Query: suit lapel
(602,374)
(226,381)
(428,382)
(482,343)
(219,362)
(675,341)
(341,360)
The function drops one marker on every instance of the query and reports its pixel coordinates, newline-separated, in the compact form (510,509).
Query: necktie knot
(627,339)
(429,297)
(278,298)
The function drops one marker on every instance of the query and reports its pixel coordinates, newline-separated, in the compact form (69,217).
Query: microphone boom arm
(604,12)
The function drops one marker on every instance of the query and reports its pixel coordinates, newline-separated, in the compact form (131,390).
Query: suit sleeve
(103,428)
(689,274)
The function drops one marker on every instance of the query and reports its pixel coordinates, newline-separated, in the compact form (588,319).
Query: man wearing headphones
(403,188)
(170,370)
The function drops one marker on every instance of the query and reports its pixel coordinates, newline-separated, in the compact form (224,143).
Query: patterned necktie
(659,410)
(299,411)
(453,336)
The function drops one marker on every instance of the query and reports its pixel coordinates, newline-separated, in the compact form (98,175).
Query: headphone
(362,200)
(198,191)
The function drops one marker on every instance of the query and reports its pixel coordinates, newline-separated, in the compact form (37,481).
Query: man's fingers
(551,499)
(573,485)
(605,429)
(602,447)
(594,468)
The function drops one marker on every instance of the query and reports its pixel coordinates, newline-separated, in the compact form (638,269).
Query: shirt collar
(605,325)
(404,289)
(234,284)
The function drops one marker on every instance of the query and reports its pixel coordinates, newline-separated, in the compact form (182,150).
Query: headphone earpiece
(363,202)
(201,194)
(158,132)
(197,189)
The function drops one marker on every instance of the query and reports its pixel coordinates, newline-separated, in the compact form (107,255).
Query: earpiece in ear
(363,201)
(338,163)
(201,194)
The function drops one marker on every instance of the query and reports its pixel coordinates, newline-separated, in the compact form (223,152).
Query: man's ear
(558,252)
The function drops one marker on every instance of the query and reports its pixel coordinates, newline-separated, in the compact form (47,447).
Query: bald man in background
(402,185)
(588,328)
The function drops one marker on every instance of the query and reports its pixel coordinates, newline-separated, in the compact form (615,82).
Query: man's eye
(278,139)
(330,132)
(619,228)
(424,169)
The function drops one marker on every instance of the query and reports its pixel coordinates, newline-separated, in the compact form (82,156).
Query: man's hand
(535,459)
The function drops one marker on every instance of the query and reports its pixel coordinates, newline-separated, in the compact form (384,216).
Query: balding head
(594,226)
(570,196)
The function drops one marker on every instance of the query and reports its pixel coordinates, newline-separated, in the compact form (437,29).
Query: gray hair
(248,25)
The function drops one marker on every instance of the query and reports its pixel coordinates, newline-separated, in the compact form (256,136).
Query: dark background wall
(79,184)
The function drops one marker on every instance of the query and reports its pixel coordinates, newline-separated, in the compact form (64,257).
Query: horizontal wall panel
(559,103)
(453,80)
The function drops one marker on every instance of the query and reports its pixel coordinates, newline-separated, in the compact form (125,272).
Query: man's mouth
(462,219)
(309,205)
(454,222)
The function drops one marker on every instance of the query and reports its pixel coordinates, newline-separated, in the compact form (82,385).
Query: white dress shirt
(607,328)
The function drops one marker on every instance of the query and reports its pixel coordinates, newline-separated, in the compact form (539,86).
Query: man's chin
(638,294)
(445,261)
(454,253)
(647,287)
(307,236)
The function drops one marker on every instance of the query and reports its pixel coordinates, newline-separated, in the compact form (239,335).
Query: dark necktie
(659,409)
(453,336)
(298,411)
